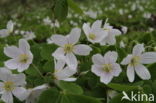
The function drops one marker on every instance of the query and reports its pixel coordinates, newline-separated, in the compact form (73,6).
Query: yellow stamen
(68,48)
(23,58)
(107,67)
(92,36)
(135,60)
(8,86)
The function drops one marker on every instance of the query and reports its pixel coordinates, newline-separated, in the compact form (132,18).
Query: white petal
(4,73)
(142,72)
(148,57)
(12,63)
(59,40)
(130,73)
(100,35)
(97,24)
(86,28)
(4,33)
(98,59)
(106,78)
(116,69)
(115,32)
(110,39)
(12,51)
(10,26)
(110,57)
(59,65)
(126,60)
(82,49)
(138,49)
(59,54)
(74,36)
(71,61)
(1,88)
(22,67)
(7,97)
(70,79)
(20,93)
(24,45)
(19,79)
(97,69)
(64,74)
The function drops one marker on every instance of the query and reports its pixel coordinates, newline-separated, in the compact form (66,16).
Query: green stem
(38,71)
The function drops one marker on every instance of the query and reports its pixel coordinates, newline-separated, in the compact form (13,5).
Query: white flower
(135,61)
(122,44)
(9,29)
(124,29)
(94,33)
(11,84)
(49,40)
(29,35)
(47,21)
(110,38)
(63,72)
(106,67)
(91,14)
(33,94)
(68,47)
(21,57)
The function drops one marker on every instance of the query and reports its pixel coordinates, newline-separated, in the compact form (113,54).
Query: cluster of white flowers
(66,63)
(14,84)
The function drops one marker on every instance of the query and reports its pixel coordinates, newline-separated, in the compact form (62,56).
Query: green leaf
(61,10)
(70,87)
(52,95)
(122,87)
(74,6)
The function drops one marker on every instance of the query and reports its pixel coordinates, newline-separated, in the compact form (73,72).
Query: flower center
(68,48)
(135,60)
(8,86)
(23,58)
(92,36)
(107,29)
(107,67)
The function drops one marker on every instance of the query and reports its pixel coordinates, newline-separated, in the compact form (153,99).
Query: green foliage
(61,10)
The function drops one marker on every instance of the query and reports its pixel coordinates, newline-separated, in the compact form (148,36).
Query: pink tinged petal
(12,63)
(110,57)
(7,97)
(98,59)
(82,49)
(22,67)
(106,78)
(130,73)
(74,36)
(71,61)
(126,60)
(4,33)
(19,79)
(12,51)
(97,69)
(148,57)
(138,49)
(20,93)
(142,72)
(97,24)
(86,28)
(115,32)
(59,40)
(59,65)
(24,45)
(59,54)
(116,69)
